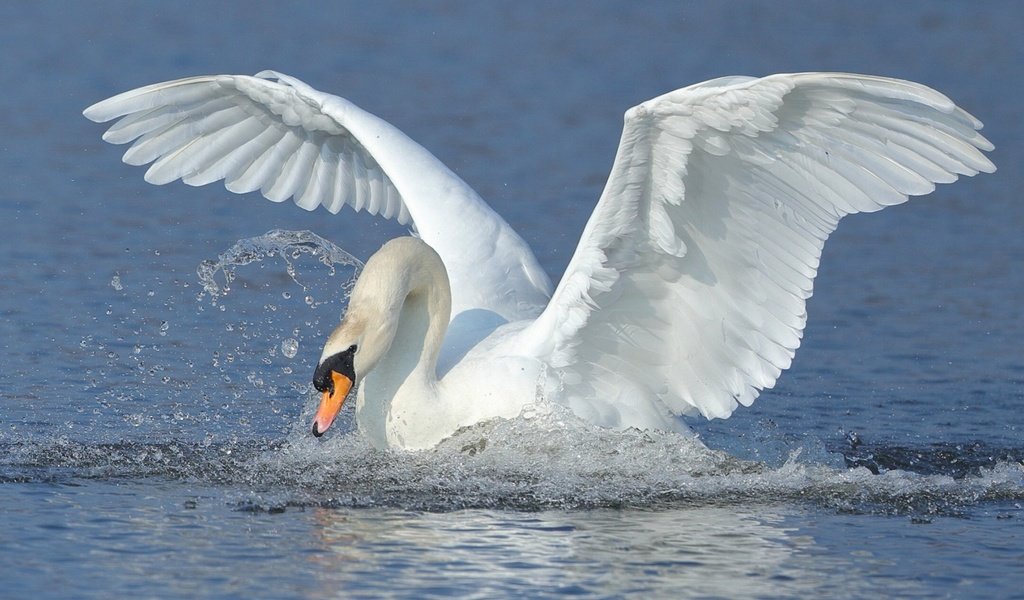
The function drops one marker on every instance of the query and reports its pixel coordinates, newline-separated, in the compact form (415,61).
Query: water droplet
(286,295)
(254,380)
(115,282)
(290,347)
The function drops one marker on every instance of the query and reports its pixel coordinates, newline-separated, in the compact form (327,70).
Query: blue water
(153,437)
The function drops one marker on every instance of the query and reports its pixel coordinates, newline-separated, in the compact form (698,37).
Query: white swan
(685,295)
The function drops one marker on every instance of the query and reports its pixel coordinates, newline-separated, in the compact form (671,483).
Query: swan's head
(402,269)
(334,377)
(351,351)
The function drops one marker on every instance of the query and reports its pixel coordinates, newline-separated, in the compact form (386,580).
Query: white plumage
(687,291)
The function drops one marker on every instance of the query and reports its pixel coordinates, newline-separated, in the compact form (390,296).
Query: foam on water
(552,461)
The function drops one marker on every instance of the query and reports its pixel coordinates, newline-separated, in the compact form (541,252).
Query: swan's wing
(275,134)
(254,133)
(687,291)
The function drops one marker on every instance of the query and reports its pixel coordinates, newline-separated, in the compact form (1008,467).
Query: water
(153,436)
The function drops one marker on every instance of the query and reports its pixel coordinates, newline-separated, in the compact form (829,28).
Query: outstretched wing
(275,134)
(687,291)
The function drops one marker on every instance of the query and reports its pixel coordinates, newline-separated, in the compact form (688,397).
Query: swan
(686,294)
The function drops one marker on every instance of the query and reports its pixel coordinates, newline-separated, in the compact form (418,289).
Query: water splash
(288,245)
(232,356)
(552,461)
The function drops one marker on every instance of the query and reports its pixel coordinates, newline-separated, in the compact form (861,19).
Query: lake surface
(154,435)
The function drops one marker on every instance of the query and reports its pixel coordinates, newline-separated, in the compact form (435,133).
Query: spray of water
(287,245)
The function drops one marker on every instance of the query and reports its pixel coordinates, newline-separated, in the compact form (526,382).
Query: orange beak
(331,403)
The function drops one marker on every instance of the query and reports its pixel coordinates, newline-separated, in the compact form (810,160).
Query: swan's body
(685,295)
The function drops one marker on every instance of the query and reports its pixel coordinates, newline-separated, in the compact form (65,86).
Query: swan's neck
(414,298)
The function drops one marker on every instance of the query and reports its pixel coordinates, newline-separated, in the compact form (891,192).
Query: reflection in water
(703,551)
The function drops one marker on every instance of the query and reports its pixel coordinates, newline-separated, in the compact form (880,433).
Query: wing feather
(272,167)
(317,183)
(687,292)
(253,132)
(264,149)
(230,149)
